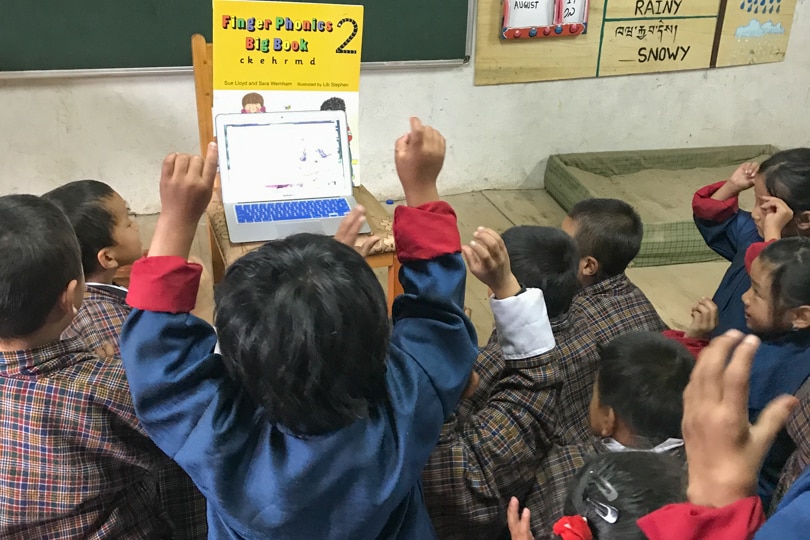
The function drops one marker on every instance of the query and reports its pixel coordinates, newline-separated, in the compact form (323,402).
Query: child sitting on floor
(76,461)
(315,401)
(608,494)
(109,239)
(637,399)
(487,456)
(781,182)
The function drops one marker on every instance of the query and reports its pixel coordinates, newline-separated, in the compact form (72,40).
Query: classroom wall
(118,129)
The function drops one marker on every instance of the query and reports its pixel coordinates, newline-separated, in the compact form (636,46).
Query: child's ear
(71,298)
(106,259)
(802,220)
(607,421)
(590,266)
(800,318)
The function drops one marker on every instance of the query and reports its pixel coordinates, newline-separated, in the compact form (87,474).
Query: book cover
(288,56)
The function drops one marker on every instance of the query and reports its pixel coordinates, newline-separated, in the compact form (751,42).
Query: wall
(118,129)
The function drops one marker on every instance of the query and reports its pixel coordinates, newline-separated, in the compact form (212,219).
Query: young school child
(780,182)
(637,399)
(607,233)
(109,239)
(485,457)
(726,452)
(315,403)
(76,463)
(608,494)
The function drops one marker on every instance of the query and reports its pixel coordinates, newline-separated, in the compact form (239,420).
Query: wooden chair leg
(217,263)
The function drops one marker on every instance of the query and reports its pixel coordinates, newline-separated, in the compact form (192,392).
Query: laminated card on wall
(288,56)
(543,18)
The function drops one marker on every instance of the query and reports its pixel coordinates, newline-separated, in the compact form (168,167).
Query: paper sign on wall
(543,18)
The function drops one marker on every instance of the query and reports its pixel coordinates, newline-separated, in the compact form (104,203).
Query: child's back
(312,423)
(76,461)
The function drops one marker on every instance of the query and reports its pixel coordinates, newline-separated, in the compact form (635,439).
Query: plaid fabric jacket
(598,314)
(798,428)
(75,462)
(99,322)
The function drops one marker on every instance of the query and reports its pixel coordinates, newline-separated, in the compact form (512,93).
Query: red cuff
(753,252)
(686,521)
(426,232)
(164,284)
(704,207)
(694,345)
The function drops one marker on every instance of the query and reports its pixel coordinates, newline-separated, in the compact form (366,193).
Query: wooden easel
(202,59)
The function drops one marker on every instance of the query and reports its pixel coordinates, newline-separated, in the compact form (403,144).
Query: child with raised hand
(315,401)
(725,453)
(608,494)
(637,399)
(483,458)
(782,188)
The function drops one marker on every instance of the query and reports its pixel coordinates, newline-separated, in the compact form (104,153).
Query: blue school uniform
(728,231)
(781,366)
(260,481)
(792,517)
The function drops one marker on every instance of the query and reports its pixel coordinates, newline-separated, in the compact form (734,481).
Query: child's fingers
(771,421)
(482,252)
(473,263)
(491,240)
(401,144)
(167,170)
(181,165)
(709,369)
(512,515)
(368,245)
(350,224)
(737,376)
(195,167)
(417,132)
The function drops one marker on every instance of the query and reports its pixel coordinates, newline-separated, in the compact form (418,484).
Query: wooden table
(224,252)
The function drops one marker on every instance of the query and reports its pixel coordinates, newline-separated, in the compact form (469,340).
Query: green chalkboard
(106,34)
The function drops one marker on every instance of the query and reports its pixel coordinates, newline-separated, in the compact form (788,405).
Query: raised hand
(776,214)
(724,451)
(186,184)
(704,319)
(743,177)
(488,260)
(419,156)
(519,524)
(350,228)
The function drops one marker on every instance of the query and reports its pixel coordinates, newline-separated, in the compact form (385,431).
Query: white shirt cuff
(523,327)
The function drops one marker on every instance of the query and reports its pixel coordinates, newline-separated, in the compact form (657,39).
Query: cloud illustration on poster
(755,29)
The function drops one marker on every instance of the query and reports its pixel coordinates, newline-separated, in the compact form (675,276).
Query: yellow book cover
(282,56)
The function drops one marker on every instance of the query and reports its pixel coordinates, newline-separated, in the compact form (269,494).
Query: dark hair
(544,258)
(83,202)
(789,259)
(40,256)
(252,98)
(787,176)
(610,231)
(333,104)
(633,483)
(642,376)
(303,328)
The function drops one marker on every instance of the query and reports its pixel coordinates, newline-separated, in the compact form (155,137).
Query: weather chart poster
(288,56)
